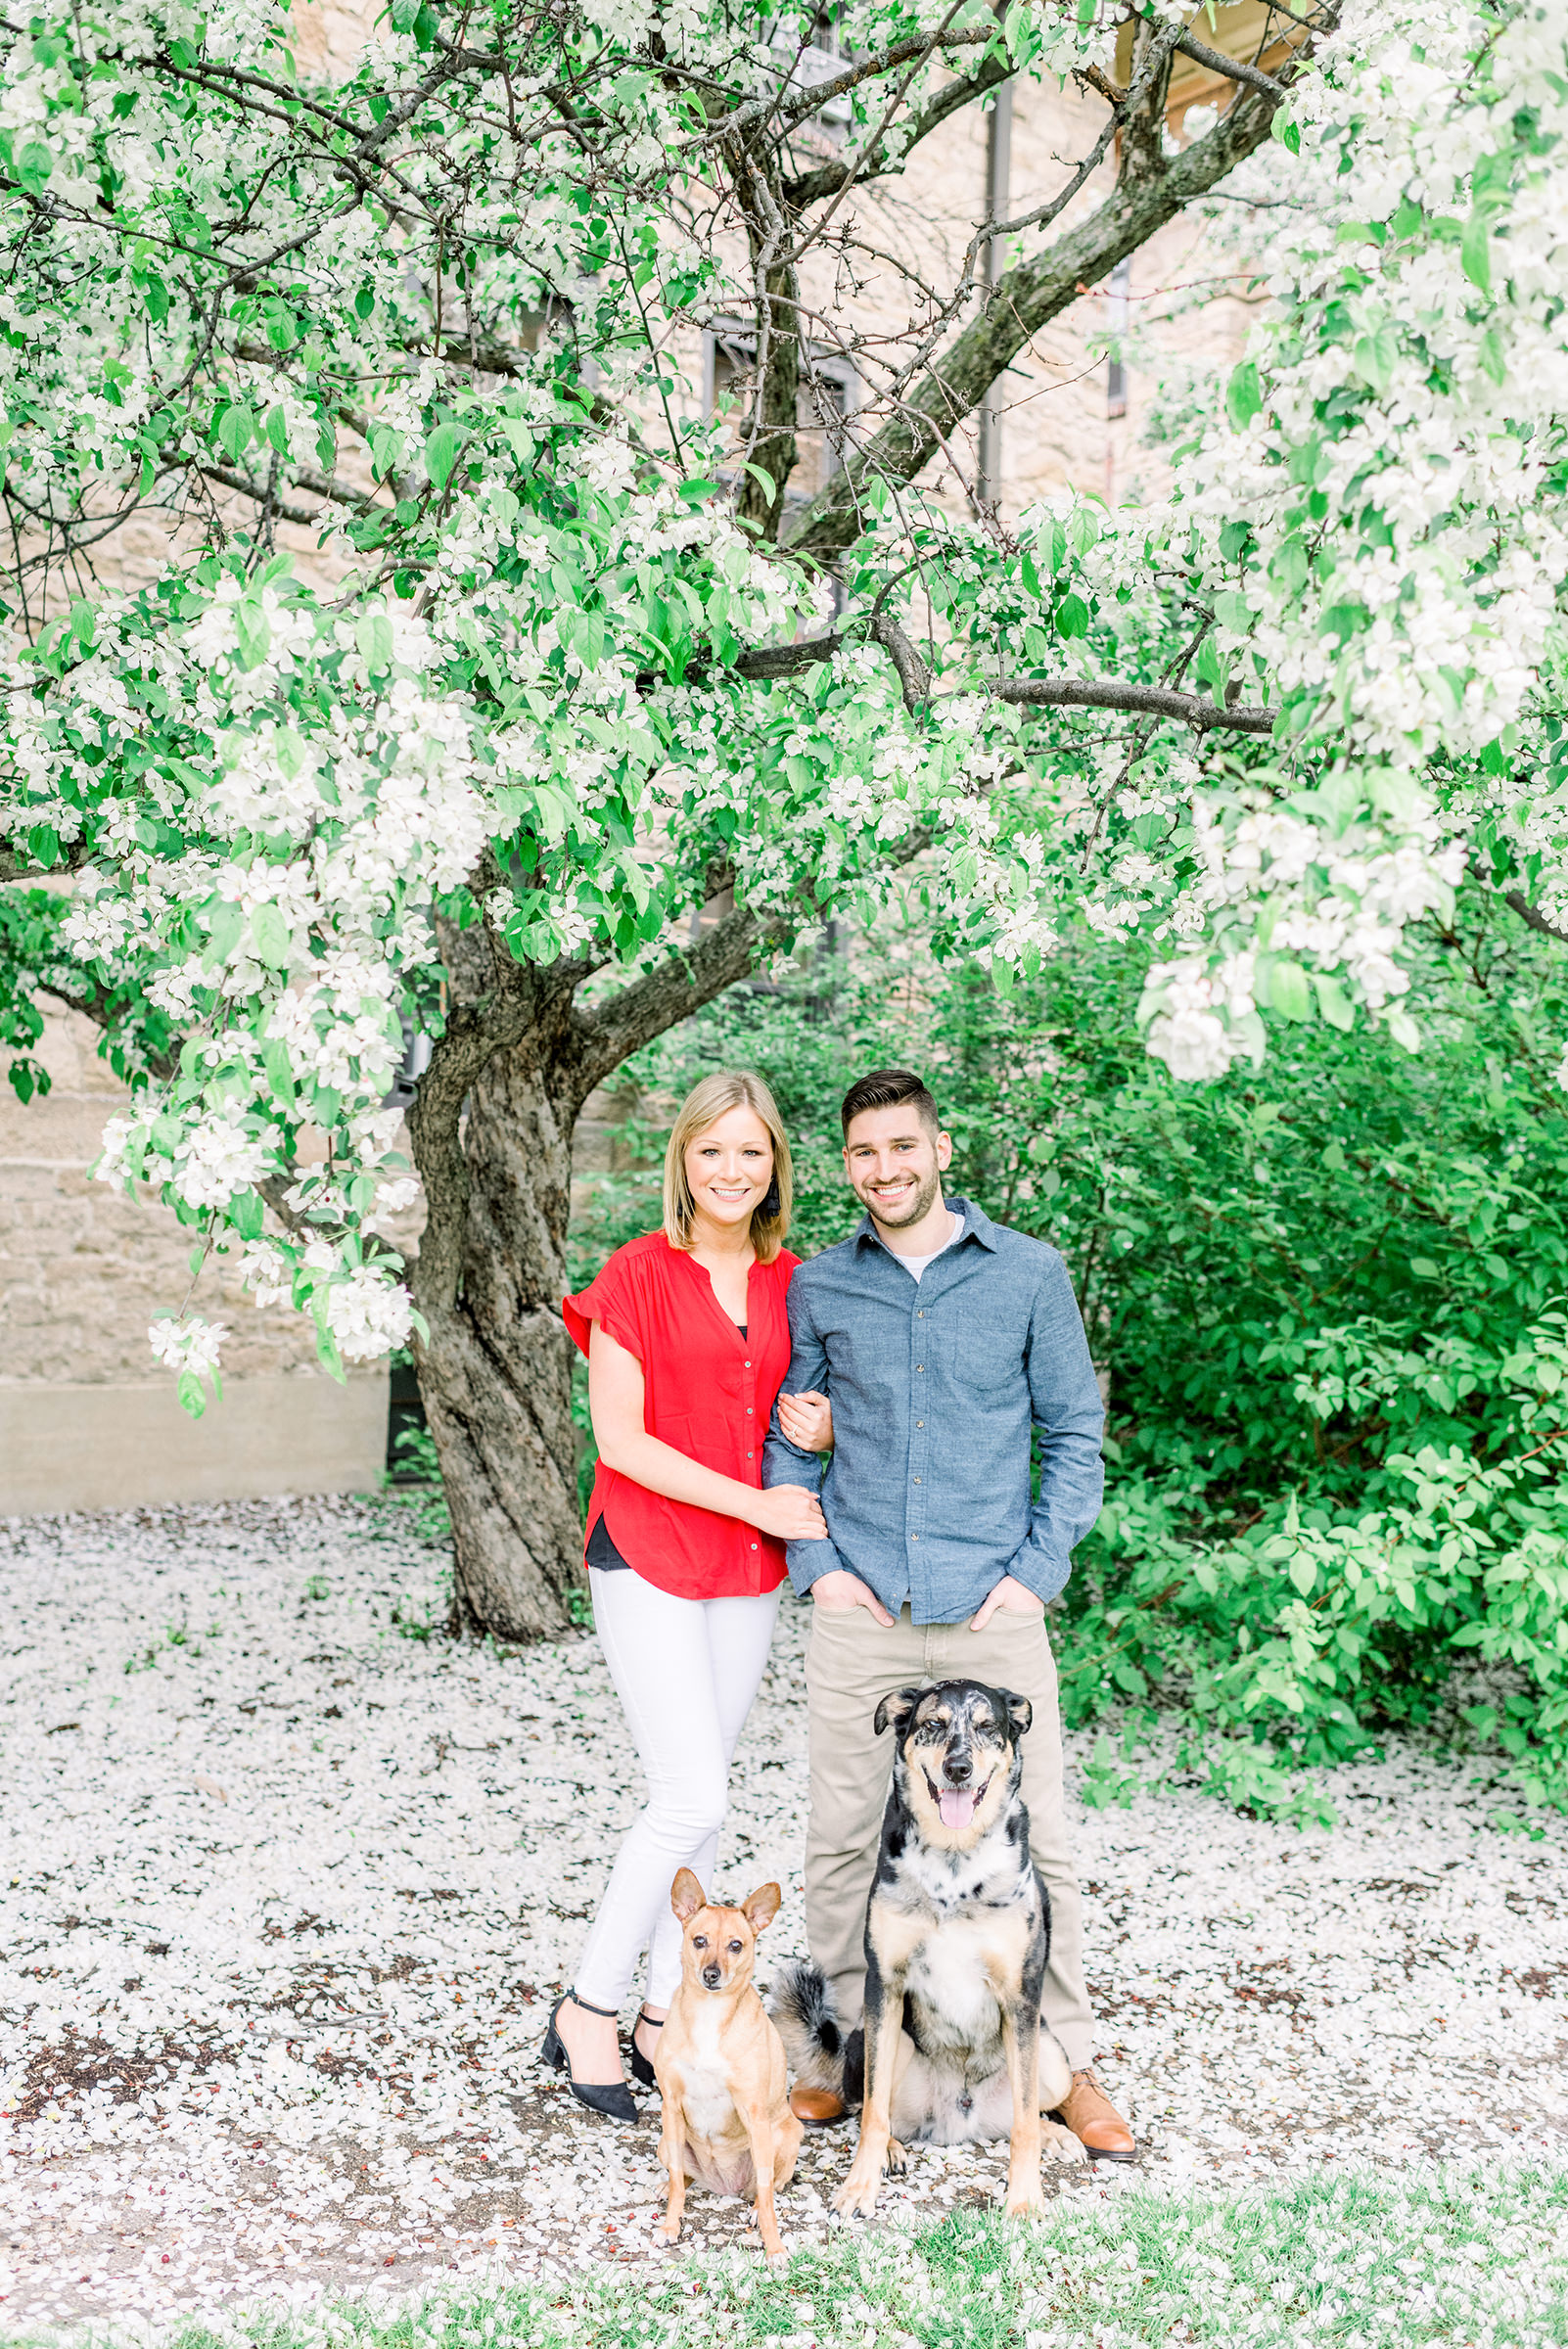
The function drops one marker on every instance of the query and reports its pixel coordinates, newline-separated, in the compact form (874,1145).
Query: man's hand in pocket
(840,1592)
(1008,1598)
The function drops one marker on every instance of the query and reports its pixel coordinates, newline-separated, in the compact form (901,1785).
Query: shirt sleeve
(612,1302)
(784,1463)
(1065,1397)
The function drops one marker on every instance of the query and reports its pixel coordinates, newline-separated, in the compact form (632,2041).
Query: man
(942,1340)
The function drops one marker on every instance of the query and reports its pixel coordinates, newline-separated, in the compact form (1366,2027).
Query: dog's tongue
(958,1807)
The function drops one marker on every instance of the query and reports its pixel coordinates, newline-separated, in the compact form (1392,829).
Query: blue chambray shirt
(936,1386)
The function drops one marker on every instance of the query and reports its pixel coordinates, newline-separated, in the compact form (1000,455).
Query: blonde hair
(727,1088)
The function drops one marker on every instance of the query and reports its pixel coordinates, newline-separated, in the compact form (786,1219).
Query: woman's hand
(790,1514)
(806,1420)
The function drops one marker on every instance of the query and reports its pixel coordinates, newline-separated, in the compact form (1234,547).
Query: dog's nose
(960,1769)
(712,1977)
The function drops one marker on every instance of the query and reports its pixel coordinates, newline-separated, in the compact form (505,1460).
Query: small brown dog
(721,2065)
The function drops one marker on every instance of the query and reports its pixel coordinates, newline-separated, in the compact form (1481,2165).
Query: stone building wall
(87,1418)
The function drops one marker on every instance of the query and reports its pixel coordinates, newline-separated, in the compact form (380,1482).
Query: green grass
(1469,2258)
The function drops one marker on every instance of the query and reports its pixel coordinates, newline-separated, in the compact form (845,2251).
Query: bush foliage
(1332,1296)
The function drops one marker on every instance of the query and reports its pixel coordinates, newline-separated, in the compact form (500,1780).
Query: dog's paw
(1025,2203)
(667,2230)
(858,2196)
(895,2161)
(1062,2143)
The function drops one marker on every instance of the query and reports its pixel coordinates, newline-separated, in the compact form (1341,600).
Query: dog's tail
(802,2005)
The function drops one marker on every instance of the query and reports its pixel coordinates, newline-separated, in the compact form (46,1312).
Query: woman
(687,1344)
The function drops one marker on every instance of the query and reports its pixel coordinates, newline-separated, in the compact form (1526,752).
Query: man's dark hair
(890,1088)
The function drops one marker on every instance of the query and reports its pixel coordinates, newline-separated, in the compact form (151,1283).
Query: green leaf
(1243,396)
(190,1395)
(1209,670)
(1475,255)
(246,1213)
(224,923)
(154,293)
(271,937)
(33,167)
(374,637)
(1290,566)
(1072,616)
(440,454)
(253,628)
(277,431)
(1289,992)
(1332,1001)
(1377,357)
(1303,1572)
(236,427)
(1493,359)
(280,1075)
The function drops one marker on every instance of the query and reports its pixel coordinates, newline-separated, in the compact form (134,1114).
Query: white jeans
(685,1670)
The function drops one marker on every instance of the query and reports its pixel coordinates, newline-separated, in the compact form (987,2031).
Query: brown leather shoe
(817,2107)
(1096,2122)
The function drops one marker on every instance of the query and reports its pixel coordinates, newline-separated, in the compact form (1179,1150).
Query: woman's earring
(772,1202)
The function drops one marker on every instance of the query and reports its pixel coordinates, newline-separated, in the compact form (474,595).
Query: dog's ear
(760,1908)
(686,1895)
(1019,1712)
(895,1708)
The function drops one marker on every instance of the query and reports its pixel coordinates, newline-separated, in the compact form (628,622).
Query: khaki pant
(851,1661)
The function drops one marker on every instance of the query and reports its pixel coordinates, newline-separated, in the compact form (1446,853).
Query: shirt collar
(977,1226)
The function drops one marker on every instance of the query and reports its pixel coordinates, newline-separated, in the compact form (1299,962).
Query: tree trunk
(497,1373)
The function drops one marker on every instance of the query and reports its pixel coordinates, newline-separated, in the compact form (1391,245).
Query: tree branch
(1026,299)
(1532,917)
(1158,701)
(809,187)
(1232,68)
(682,985)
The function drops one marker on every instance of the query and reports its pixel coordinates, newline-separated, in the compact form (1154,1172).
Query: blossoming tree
(571,665)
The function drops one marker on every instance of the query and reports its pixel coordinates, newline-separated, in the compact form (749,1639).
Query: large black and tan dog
(957,1933)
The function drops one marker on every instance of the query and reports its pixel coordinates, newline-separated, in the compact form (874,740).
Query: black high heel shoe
(641,2068)
(613,2098)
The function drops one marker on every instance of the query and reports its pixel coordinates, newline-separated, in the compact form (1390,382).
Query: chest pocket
(984,1361)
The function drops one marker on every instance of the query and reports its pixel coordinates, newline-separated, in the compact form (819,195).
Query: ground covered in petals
(292,1880)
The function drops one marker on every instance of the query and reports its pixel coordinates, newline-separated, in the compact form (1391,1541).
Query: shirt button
(745,1365)
(751,1456)
(920,1366)
(920,1316)
(754,1545)
(914,1537)
(917,1480)
(920,1423)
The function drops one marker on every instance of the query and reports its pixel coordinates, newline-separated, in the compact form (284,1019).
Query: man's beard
(912,1206)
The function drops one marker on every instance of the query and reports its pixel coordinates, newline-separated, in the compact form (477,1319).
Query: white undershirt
(917,1264)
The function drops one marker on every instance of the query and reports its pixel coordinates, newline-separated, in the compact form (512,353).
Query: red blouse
(707,1391)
